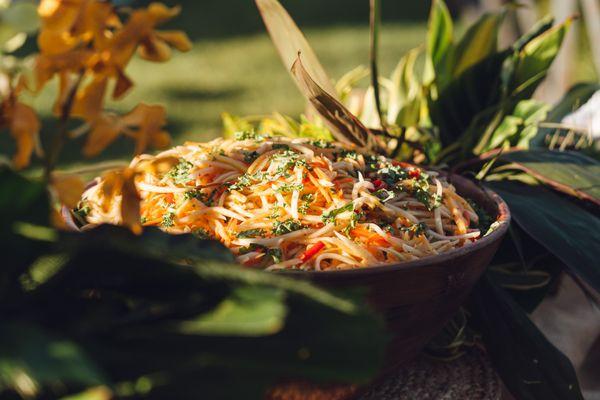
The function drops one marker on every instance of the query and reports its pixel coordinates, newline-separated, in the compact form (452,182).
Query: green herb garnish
(289,188)
(247,135)
(195,194)
(201,234)
(331,215)
(250,156)
(168,220)
(415,229)
(251,233)
(287,226)
(181,172)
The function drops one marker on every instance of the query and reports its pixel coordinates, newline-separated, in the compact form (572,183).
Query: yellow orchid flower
(148,121)
(105,129)
(68,188)
(24,126)
(117,184)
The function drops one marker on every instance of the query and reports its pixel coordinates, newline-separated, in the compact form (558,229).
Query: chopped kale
(392,174)
(287,226)
(181,172)
(289,188)
(82,211)
(384,195)
(280,146)
(251,233)
(329,217)
(242,182)
(201,234)
(275,254)
(351,154)
(322,144)
(195,194)
(168,220)
(415,229)
(250,156)
(246,135)
(485,220)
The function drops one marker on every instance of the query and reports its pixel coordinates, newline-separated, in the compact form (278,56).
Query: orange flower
(24,126)
(104,130)
(144,124)
(121,184)
(68,188)
(148,122)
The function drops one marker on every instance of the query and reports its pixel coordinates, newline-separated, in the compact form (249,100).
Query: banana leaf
(529,365)
(566,230)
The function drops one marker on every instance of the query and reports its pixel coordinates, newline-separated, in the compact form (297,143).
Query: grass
(241,75)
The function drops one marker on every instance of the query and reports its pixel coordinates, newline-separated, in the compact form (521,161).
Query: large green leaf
(24,232)
(248,311)
(532,62)
(439,41)
(30,358)
(171,309)
(569,232)
(529,365)
(570,172)
(518,128)
(463,108)
(478,42)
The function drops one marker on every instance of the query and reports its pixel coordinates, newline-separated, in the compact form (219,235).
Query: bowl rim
(503,219)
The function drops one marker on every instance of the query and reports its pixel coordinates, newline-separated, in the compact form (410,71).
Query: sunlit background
(234,68)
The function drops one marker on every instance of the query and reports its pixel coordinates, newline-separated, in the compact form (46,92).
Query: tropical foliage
(464,104)
(117,312)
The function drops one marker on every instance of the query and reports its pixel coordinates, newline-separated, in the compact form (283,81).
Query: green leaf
(439,40)
(24,233)
(467,105)
(569,172)
(564,229)
(30,359)
(233,124)
(518,128)
(532,62)
(529,365)
(248,311)
(478,42)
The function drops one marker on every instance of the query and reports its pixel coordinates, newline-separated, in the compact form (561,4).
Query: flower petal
(105,130)
(89,101)
(176,39)
(68,188)
(24,127)
(154,49)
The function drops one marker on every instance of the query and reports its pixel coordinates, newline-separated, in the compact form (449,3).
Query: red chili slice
(414,173)
(379,184)
(310,253)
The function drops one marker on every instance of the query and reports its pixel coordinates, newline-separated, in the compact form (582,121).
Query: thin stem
(59,139)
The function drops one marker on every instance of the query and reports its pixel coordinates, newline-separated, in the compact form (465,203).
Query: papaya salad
(281,203)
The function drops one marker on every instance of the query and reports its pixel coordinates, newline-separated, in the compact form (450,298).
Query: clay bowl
(417,298)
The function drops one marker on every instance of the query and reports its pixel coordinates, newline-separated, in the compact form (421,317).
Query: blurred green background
(234,68)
